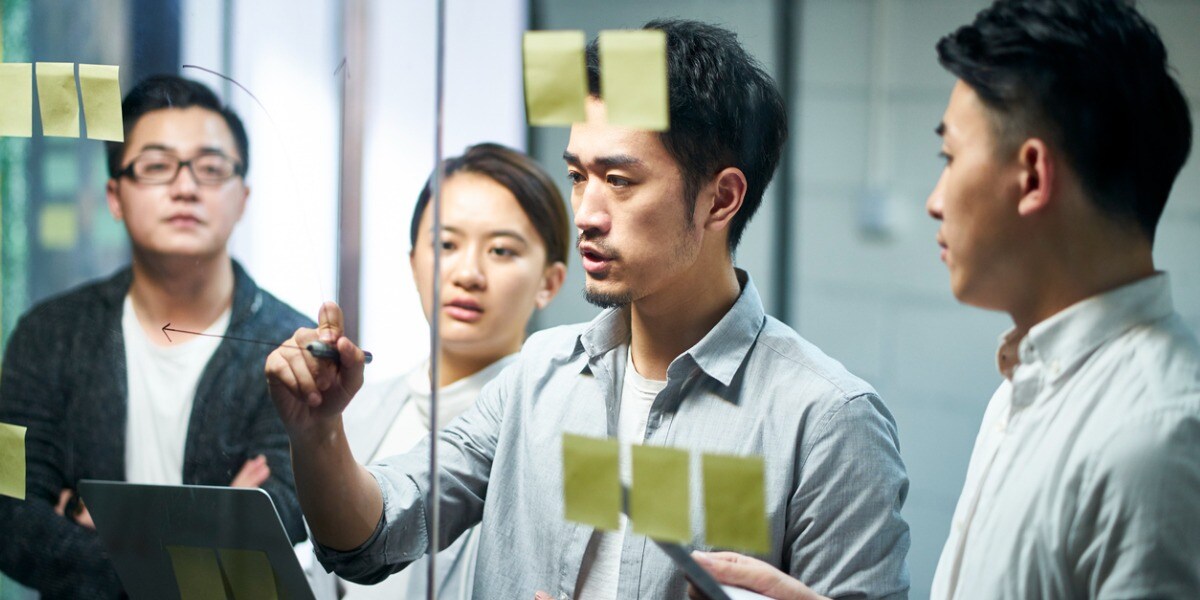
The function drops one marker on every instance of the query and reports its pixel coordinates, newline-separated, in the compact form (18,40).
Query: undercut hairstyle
(1091,78)
(725,111)
(539,198)
(159,92)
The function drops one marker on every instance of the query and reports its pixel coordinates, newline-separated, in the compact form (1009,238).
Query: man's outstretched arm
(339,498)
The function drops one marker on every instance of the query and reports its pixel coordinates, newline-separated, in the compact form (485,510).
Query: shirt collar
(1075,332)
(719,353)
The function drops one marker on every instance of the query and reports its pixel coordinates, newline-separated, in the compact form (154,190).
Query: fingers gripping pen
(323,350)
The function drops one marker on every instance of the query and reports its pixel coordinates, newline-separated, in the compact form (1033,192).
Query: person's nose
(466,269)
(184,186)
(592,217)
(933,204)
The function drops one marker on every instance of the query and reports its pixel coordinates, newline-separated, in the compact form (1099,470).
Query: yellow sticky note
(57,99)
(249,574)
(633,78)
(16,99)
(591,487)
(197,573)
(58,226)
(12,461)
(101,91)
(658,499)
(555,77)
(735,503)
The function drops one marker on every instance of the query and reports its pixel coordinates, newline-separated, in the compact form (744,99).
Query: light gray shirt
(1085,478)
(835,483)
(393,416)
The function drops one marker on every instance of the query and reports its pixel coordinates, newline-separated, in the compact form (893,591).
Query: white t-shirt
(162,384)
(602,560)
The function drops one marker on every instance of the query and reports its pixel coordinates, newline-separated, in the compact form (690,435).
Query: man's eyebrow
(213,150)
(165,148)
(159,147)
(940,129)
(614,161)
(617,161)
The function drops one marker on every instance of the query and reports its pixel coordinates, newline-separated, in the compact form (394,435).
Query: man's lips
(594,261)
(184,219)
(944,249)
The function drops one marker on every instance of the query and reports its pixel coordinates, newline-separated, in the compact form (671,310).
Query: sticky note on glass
(735,503)
(658,499)
(12,461)
(633,78)
(249,574)
(16,99)
(101,91)
(57,99)
(58,226)
(196,572)
(591,484)
(555,77)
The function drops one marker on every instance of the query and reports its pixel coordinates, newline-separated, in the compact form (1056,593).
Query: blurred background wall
(841,249)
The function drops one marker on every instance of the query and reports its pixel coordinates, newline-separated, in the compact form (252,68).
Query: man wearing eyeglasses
(102,390)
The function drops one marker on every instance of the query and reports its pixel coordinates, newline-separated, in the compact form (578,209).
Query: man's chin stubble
(606,300)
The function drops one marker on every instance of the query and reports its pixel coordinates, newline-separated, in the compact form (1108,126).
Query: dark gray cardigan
(64,379)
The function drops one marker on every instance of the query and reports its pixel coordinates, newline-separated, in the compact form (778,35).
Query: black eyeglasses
(157,167)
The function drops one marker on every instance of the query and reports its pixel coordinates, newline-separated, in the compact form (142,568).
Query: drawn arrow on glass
(317,349)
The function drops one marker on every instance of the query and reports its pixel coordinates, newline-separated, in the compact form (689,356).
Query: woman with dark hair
(505,238)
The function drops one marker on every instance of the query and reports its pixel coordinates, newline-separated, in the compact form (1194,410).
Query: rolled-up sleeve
(466,449)
(847,538)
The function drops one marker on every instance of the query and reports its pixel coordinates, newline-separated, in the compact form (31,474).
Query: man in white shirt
(1062,139)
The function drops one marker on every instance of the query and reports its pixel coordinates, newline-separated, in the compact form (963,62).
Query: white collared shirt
(1085,478)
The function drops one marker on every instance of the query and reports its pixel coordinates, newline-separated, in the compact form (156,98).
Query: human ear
(245,197)
(114,200)
(1037,177)
(552,281)
(728,195)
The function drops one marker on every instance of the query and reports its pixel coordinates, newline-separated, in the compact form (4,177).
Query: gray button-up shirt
(835,483)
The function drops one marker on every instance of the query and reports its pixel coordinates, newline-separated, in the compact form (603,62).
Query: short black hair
(1092,76)
(539,198)
(725,111)
(158,92)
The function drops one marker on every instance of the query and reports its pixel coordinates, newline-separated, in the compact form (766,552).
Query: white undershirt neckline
(161,386)
(600,572)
